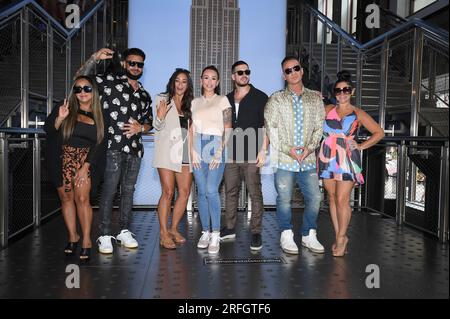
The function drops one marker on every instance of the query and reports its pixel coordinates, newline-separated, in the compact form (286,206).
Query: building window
(420,4)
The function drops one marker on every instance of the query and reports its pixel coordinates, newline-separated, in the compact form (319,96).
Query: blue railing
(439,34)
(15,7)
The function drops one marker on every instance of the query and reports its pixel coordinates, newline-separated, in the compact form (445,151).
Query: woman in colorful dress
(339,161)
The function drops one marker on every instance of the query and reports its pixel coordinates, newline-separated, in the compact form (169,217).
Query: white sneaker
(312,243)
(204,240)
(105,245)
(287,242)
(214,243)
(125,238)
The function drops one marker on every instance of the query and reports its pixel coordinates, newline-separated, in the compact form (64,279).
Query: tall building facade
(214,39)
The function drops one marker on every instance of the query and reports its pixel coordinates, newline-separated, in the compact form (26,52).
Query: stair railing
(319,29)
(44,45)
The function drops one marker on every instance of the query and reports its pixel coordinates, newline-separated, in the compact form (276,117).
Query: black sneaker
(226,233)
(256,243)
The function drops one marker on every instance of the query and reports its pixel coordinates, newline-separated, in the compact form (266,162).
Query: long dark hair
(70,121)
(188,95)
(212,67)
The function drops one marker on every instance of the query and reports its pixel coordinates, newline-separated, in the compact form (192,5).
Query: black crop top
(84,135)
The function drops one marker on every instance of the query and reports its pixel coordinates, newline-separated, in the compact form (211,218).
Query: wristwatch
(142,128)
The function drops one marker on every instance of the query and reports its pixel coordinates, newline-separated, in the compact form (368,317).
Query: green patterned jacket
(279,123)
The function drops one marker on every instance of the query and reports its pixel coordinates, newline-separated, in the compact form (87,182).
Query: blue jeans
(208,181)
(123,168)
(309,186)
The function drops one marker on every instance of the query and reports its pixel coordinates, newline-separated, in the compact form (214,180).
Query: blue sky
(161,29)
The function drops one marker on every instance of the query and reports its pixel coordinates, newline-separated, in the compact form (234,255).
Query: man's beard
(132,76)
(242,84)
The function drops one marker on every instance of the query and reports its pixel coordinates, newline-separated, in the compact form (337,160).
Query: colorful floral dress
(336,160)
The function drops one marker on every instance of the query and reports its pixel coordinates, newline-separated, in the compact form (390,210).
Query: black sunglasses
(290,70)
(346,90)
(78,89)
(241,72)
(140,65)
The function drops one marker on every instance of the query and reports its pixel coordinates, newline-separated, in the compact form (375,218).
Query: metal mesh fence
(38,60)
(75,51)
(419,191)
(100,27)
(59,67)
(422,186)
(21,185)
(9,65)
(89,39)
(49,196)
(390,173)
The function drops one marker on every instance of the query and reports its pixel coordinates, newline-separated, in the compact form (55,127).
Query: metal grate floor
(411,265)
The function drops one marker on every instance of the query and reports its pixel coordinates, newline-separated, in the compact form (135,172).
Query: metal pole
(359,68)
(83,44)
(300,28)
(416,81)
(311,48)
(95,34)
(401,184)
(324,58)
(113,34)
(37,181)
(25,66)
(104,25)
(68,65)
(383,84)
(339,53)
(49,68)
(443,196)
(4,194)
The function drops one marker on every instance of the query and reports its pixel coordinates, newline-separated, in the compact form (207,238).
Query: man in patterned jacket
(127,112)
(293,120)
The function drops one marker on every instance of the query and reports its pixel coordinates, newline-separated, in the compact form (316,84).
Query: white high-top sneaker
(312,243)
(214,243)
(203,242)
(287,242)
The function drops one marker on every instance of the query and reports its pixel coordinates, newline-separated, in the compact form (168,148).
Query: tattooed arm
(90,64)
(227,130)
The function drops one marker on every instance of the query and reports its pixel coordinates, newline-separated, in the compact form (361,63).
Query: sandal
(177,238)
(167,242)
(341,249)
(85,254)
(71,247)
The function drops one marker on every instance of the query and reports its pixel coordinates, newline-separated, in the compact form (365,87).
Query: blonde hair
(70,121)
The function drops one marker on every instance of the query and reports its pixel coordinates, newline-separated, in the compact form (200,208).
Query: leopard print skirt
(72,160)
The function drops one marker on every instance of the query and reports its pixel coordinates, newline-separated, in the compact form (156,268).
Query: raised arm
(88,67)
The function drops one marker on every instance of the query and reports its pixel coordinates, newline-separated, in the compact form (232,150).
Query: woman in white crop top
(211,127)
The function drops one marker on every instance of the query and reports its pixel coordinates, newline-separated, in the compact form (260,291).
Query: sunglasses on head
(296,68)
(241,72)
(140,65)
(78,89)
(346,90)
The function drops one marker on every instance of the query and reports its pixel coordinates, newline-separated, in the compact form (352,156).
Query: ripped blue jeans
(308,182)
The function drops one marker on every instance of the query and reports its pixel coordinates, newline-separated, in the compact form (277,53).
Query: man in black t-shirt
(128,114)
(246,153)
